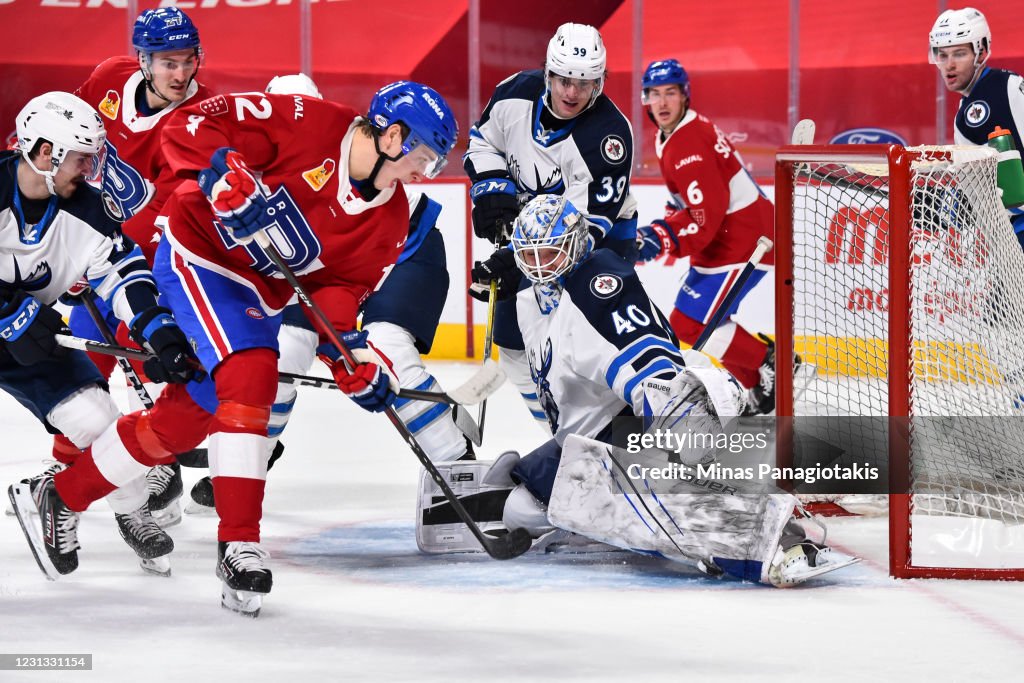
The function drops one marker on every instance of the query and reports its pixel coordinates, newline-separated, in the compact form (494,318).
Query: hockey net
(900,281)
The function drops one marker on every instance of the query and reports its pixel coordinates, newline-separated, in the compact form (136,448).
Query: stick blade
(803,132)
(487,380)
(513,544)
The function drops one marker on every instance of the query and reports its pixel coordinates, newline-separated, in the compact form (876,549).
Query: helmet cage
(549,238)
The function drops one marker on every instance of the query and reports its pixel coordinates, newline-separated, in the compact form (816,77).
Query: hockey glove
(495,208)
(75,296)
(501,266)
(239,199)
(369,383)
(27,328)
(155,330)
(656,239)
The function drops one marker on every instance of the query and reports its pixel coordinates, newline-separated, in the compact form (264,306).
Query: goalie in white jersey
(598,348)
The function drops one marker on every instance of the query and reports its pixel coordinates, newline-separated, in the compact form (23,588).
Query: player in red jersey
(716,216)
(326,186)
(135,98)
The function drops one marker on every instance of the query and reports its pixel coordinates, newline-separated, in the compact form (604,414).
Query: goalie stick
(485,382)
(516,541)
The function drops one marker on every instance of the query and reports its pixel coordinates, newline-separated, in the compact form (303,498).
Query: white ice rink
(353,600)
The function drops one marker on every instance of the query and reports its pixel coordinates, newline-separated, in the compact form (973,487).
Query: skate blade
(169,516)
(837,561)
(246,603)
(194,508)
(157,566)
(23,505)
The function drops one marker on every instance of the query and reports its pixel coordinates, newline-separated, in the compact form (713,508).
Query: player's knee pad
(83,415)
(234,416)
(686,328)
(399,345)
(297,349)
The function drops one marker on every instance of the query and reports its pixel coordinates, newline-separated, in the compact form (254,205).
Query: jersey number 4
(290,233)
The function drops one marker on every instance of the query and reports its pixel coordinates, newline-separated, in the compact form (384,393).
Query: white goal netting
(962,289)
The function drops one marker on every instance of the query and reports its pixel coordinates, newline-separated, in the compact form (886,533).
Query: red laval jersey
(722,210)
(339,244)
(132,163)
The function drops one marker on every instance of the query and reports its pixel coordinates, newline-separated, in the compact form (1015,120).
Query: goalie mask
(549,239)
(576,52)
(960,27)
(67,123)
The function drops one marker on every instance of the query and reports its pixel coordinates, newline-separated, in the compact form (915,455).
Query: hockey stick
(764,245)
(476,389)
(125,365)
(516,541)
(492,300)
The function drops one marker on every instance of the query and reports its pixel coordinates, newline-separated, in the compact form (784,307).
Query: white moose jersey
(48,245)
(592,344)
(587,159)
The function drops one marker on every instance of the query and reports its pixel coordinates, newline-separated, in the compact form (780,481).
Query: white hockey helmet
(577,51)
(549,238)
(960,26)
(294,84)
(66,122)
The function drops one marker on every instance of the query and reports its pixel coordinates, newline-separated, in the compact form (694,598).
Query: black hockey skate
(151,543)
(53,538)
(165,487)
(242,566)
(202,491)
(54,468)
(761,398)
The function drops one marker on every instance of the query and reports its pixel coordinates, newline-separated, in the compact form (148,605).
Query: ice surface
(353,600)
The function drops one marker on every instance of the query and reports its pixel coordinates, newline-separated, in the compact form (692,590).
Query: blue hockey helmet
(424,112)
(164,29)
(665,72)
(549,238)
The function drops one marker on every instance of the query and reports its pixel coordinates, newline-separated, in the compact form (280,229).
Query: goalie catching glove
(239,199)
(369,383)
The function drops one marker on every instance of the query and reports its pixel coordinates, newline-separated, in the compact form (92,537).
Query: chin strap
(47,175)
(381,158)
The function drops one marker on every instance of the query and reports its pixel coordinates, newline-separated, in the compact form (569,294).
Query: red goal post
(899,278)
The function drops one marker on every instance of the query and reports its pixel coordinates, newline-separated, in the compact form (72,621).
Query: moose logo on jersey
(550,182)
(539,374)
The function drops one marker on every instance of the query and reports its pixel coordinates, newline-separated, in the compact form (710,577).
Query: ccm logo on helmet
(433,105)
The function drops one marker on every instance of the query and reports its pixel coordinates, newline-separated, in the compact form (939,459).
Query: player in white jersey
(960,44)
(549,132)
(54,231)
(598,349)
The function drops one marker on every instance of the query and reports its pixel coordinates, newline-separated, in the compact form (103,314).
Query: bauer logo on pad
(318,177)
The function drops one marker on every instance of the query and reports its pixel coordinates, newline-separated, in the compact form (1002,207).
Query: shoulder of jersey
(86,204)
(603,130)
(117,68)
(599,281)
(7,180)
(525,85)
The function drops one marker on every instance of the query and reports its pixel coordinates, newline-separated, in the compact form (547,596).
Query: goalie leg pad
(738,533)
(438,529)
